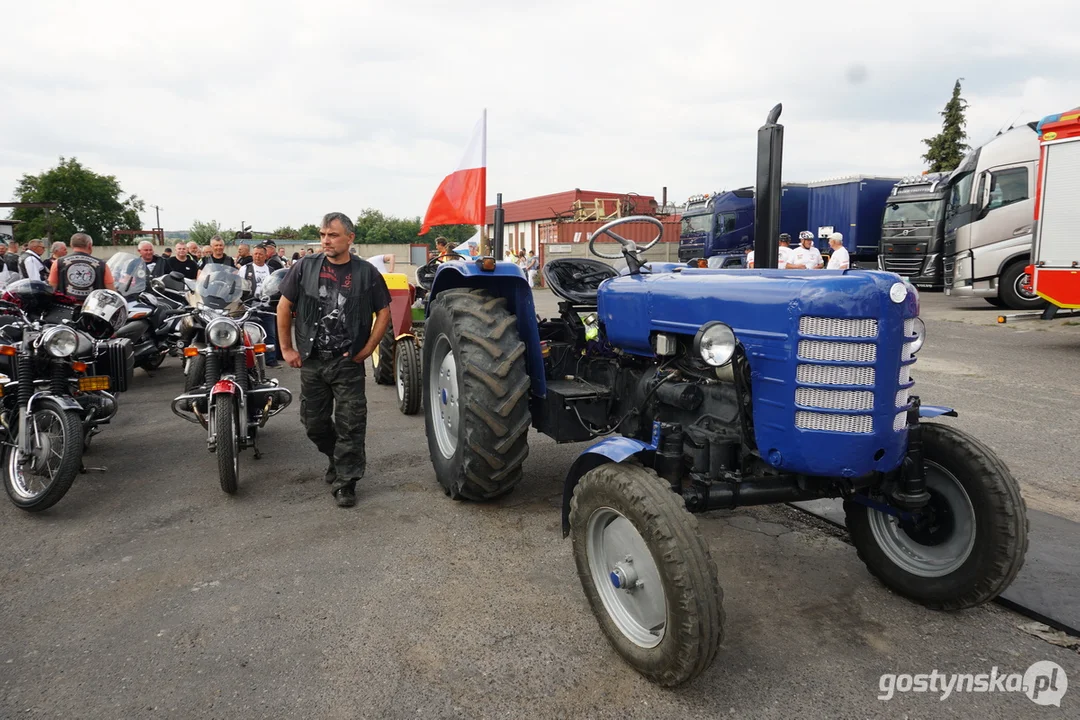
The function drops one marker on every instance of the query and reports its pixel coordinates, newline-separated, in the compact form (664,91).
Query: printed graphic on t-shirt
(334,284)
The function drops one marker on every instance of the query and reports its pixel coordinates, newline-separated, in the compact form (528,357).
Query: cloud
(274,113)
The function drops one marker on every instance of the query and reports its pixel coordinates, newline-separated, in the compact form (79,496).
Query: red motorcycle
(226,388)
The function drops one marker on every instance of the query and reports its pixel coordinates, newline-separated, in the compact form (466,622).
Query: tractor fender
(404,335)
(932,411)
(610,450)
(508,281)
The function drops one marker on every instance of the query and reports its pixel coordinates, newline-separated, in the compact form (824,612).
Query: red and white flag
(461,197)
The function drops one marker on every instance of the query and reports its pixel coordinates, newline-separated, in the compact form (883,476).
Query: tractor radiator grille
(835,399)
(837,351)
(863,424)
(838,327)
(835,383)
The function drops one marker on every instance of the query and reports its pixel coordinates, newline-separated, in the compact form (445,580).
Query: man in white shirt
(383,263)
(30,264)
(256,273)
(783,254)
(806,257)
(839,260)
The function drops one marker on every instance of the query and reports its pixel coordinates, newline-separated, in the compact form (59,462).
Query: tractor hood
(829,354)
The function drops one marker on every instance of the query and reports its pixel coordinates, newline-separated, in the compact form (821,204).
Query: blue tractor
(711,389)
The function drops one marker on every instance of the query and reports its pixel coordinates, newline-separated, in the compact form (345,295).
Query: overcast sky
(276,112)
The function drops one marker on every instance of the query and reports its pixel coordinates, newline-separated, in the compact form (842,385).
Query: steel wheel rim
(443,396)
(616,550)
(930,561)
(51,439)
(1018,287)
(399,373)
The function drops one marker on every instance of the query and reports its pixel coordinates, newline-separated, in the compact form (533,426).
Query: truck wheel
(972,545)
(407,375)
(476,394)
(1011,289)
(647,572)
(382,360)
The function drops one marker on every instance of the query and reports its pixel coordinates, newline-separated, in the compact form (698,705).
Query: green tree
(87,202)
(201,232)
(946,149)
(286,231)
(309,232)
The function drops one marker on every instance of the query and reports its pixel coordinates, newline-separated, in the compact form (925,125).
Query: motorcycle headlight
(60,341)
(222,333)
(919,328)
(715,343)
(255,333)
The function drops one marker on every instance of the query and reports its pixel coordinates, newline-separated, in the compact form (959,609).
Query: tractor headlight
(915,345)
(255,332)
(715,343)
(222,333)
(60,341)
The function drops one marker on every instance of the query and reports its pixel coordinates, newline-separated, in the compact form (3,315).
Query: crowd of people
(805,256)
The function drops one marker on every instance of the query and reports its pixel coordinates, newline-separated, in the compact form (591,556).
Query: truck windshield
(696,223)
(961,192)
(923,212)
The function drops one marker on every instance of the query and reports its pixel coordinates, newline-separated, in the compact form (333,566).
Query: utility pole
(157,226)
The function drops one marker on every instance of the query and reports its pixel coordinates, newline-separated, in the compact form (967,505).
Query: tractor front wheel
(966,545)
(407,374)
(646,572)
(476,394)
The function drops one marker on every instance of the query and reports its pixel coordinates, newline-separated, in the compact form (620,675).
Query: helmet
(806,235)
(104,312)
(784,237)
(30,295)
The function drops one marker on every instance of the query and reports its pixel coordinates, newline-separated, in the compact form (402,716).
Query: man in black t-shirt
(217,254)
(334,295)
(182,263)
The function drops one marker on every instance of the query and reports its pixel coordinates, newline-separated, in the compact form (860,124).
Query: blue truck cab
(723,223)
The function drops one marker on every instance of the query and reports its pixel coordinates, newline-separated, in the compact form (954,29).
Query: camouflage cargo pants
(336,386)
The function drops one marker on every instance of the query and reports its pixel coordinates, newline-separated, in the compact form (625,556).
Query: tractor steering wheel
(425,274)
(629,246)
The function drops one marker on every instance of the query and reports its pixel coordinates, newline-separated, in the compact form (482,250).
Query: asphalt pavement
(147,592)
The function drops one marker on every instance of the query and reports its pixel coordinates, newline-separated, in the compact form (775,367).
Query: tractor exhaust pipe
(770,155)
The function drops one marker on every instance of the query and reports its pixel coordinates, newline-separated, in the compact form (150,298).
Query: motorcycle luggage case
(116,358)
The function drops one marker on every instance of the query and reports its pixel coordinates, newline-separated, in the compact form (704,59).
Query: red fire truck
(1055,270)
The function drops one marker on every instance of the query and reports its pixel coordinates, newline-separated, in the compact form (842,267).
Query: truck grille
(906,266)
(845,364)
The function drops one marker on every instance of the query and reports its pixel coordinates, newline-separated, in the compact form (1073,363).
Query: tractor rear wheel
(476,394)
(382,360)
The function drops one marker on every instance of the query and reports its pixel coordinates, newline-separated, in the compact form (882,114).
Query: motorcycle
(152,320)
(57,393)
(226,389)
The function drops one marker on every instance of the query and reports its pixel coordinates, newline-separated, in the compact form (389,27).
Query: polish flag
(460,199)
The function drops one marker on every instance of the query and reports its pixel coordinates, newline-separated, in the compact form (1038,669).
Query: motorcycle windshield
(129,273)
(271,286)
(218,286)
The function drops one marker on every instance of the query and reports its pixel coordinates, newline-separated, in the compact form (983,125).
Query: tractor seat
(577,279)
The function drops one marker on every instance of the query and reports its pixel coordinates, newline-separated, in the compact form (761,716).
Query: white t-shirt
(261,273)
(839,260)
(806,256)
(781,260)
(377,261)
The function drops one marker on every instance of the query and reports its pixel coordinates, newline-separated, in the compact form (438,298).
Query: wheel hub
(443,392)
(623,576)
(935,523)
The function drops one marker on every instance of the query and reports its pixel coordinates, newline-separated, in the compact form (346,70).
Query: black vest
(79,274)
(357,303)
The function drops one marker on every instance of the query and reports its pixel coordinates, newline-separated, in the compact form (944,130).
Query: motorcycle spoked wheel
(40,481)
(227,428)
